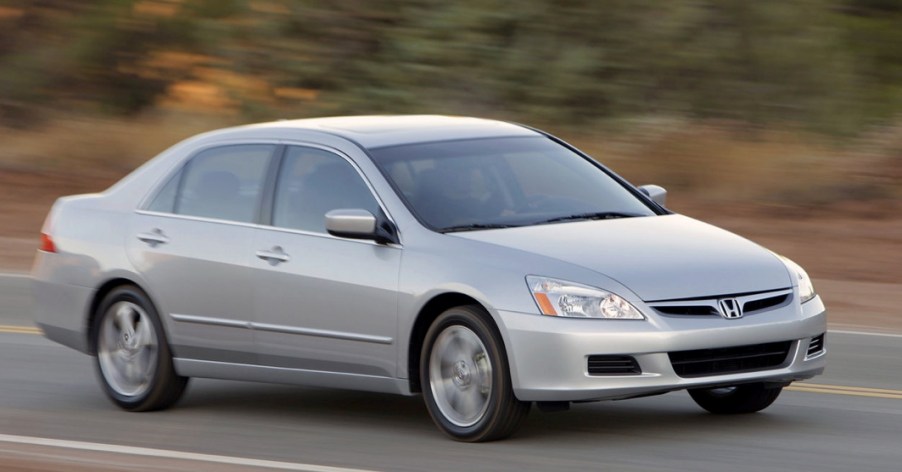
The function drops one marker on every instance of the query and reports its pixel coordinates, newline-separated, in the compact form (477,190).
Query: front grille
(613,365)
(708,306)
(816,345)
(764,303)
(687,310)
(729,360)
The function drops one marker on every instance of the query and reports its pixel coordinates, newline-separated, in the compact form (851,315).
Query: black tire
(501,413)
(160,386)
(738,399)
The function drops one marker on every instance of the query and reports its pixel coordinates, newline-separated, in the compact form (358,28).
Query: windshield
(502,182)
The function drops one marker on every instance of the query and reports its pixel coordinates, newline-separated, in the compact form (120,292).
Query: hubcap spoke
(470,402)
(470,347)
(143,334)
(131,371)
(124,319)
(454,398)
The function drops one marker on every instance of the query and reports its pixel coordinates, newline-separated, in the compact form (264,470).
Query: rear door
(193,242)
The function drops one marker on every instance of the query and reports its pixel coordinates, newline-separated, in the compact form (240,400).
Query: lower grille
(816,345)
(613,365)
(729,360)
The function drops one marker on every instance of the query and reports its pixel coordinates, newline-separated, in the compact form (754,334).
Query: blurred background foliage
(728,98)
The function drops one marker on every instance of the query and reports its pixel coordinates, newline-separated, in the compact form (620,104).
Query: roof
(391,130)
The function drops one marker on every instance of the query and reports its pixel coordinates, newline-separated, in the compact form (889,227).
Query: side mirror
(360,224)
(656,193)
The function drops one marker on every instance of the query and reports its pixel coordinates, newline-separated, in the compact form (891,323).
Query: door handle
(154,237)
(274,255)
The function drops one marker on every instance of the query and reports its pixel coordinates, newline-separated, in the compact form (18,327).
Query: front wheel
(737,399)
(466,380)
(133,359)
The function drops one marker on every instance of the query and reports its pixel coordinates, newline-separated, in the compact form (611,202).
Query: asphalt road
(50,392)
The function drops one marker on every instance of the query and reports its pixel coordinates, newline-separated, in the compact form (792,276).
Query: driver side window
(313,182)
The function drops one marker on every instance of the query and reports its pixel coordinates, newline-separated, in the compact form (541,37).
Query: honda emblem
(730,308)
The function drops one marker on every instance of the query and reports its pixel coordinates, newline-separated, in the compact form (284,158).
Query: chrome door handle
(154,237)
(274,255)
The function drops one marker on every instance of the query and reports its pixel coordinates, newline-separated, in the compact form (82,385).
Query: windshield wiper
(475,227)
(595,215)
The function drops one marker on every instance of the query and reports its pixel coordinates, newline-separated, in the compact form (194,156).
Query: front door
(323,303)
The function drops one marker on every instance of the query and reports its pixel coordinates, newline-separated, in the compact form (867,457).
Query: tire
(465,378)
(133,359)
(738,399)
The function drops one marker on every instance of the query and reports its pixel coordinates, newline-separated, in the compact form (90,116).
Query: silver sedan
(485,265)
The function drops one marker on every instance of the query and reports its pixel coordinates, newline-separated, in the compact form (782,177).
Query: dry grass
(71,155)
(713,161)
(724,164)
(91,146)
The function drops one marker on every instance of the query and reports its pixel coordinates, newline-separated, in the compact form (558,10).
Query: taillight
(47,243)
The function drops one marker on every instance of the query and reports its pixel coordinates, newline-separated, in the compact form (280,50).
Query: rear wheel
(737,399)
(466,380)
(133,358)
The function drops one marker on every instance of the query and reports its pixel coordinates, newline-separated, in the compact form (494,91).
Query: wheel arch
(424,319)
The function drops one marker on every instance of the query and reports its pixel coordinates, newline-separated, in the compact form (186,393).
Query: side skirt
(283,375)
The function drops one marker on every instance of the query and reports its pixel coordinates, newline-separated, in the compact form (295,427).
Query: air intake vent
(729,360)
(613,365)
(816,345)
(764,303)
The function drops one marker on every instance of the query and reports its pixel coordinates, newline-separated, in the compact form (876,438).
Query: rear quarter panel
(88,236)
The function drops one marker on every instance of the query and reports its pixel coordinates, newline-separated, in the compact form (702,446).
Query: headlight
(806,288)
(560,298)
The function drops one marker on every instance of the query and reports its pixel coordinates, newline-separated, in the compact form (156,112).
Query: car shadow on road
(253,400)
(666,416)
(670,416)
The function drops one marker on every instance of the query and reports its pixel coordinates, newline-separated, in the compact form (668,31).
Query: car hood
(658,257)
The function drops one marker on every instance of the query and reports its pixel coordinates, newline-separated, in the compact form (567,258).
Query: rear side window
(223,183)
(164,202)
(313,182)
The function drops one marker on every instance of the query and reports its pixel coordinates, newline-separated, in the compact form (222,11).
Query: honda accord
(485,265)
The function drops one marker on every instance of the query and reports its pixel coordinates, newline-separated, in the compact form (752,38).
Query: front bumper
(548,356)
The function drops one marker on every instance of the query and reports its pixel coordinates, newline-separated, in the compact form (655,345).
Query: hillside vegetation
(726,99)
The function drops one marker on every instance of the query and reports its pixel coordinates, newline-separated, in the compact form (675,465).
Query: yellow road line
(843,390)
(20,329)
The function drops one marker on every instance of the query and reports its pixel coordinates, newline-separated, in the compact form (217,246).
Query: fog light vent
(613,365)
(816,345)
